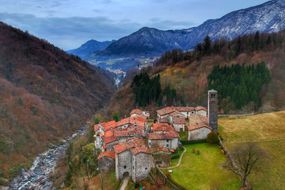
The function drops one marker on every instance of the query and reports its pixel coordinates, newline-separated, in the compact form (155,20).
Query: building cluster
(130,145)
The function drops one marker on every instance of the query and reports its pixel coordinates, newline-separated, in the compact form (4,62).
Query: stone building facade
(213,109)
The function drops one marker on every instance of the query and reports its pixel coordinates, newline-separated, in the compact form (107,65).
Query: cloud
(70,32)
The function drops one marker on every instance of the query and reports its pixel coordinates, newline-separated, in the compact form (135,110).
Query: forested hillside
(45,95)
(250,69)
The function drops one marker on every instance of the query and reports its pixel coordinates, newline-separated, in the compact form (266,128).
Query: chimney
(213,109)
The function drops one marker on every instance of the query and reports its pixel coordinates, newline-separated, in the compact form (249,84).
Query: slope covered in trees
(45,95)
(148,90)
(187,73)
(239,85)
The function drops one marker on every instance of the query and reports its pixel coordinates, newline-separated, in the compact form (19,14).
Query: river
(38,176)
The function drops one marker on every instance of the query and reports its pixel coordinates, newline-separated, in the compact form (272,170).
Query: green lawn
(268,131)
(204,171)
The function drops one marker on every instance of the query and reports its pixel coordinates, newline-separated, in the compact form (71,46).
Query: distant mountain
(90,47)
(45,95)
(267,17)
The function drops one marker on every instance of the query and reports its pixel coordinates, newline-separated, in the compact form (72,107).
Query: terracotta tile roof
(179,120)
(200,108)
(138,120)
(109,125)
(176,114)
(140,149)
(136,111)
(165,111)
(108,140)
(163,136)
(159,149)
(197,122)
(109,133)
(130,131)
(161,127)
(185,109)
(109,154)
(129,144)
(169,110)
(121,147)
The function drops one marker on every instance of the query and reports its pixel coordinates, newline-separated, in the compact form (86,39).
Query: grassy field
(204,171)
(268,131)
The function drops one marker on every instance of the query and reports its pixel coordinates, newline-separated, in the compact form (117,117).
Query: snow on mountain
(267,17)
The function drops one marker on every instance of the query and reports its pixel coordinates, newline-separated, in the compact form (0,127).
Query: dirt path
(125,183)
(179,161)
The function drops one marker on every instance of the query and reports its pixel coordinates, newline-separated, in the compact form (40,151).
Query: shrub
(212,138)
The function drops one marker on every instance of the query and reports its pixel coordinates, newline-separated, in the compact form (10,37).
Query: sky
(69,23)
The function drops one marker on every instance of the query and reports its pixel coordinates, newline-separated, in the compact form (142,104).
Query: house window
(167,145)
(125,166)
(167,140)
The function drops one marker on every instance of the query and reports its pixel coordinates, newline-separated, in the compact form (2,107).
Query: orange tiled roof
(161,127)
(176,114)
(131,143)
(109,154)
(185,109)
(136,111)
(165,111)
(197,122)
(109,125)
(130,131)
(110,139)
(179,120)
(200,108)
(163,136)
(140,149)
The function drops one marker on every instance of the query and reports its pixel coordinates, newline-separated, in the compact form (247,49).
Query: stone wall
(106,164)
(142,164)
(179,127)
(123,164)
(198,134)
(171,143)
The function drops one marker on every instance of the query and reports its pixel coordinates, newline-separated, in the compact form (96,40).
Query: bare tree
(244,159)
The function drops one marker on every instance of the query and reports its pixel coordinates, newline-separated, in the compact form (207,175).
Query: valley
(154,109)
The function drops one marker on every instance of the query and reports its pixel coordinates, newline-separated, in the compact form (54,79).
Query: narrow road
(125,183)
(179,162)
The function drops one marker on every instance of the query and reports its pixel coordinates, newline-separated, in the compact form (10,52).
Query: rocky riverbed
(38,176)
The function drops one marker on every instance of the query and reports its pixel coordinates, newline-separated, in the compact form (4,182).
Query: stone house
(106,161)
(163,135)
(198,128)
(137,112)
(164,113)
(184,111)
(201,111)
(177,120)
(133,159)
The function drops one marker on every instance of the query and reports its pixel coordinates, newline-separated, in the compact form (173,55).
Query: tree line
(148,90)
(228,49)
(239,85)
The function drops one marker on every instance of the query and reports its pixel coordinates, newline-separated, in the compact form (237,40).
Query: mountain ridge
(267,17)
(45,95)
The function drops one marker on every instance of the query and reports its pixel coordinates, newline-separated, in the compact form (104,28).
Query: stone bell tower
(213,109)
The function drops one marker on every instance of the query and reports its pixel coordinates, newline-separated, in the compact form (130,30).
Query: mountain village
(133,145)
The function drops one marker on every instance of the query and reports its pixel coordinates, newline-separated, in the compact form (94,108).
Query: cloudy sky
(69,23)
